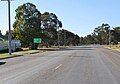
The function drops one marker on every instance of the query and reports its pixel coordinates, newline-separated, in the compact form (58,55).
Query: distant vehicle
(15,44)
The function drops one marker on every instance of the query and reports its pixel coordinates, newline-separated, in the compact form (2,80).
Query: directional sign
(37,40)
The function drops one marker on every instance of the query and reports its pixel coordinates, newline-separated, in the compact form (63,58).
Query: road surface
(74,65)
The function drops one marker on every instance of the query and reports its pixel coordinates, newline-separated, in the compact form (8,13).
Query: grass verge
(26,51)
(6,55)
(113,47)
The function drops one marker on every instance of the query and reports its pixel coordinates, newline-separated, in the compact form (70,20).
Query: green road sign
(37,40)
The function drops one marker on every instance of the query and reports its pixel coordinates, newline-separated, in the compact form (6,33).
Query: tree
(101,33)
(116,35)
(90,39)
(0,33)
(50,23)
(0,36)
(77,40)
(27,25)
(68,38)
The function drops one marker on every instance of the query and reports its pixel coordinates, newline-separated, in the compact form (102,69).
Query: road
(73,65)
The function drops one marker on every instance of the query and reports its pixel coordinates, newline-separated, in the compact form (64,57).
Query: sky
(78,16)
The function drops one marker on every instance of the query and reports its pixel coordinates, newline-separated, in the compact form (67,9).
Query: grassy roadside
(113,47)
(26,51)
(6,55)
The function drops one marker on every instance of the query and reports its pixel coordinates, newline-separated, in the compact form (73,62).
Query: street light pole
(9,21)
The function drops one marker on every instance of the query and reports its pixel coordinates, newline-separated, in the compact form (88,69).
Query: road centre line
(58,66)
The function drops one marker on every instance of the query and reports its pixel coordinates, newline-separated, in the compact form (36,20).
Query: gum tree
(27,25)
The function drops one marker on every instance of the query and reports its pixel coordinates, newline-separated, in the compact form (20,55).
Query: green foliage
(50,24)
(68,38)
(2,37)
(30,24)
(102,34)
(0,32)
(27,25)
(116,35)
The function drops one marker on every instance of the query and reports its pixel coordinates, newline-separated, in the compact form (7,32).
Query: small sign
(37,40)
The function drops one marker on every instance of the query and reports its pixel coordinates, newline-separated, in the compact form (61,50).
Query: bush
(4,51)
(7,50)
(19,49)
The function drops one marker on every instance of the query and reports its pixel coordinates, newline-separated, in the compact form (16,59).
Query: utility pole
(9,22)
(109,39)
(58,38)
(65,38)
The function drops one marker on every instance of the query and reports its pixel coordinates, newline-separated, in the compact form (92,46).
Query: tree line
(30,23)
(102,35)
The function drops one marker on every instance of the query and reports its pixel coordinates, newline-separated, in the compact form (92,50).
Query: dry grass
(113,47)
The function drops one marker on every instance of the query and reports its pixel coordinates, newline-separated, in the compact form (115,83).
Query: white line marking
(58,66)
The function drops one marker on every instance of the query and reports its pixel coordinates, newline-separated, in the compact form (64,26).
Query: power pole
(109,39)
(9,21)
(58,38)
(64,38)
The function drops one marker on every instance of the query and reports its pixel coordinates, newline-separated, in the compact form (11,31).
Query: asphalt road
(74,65)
